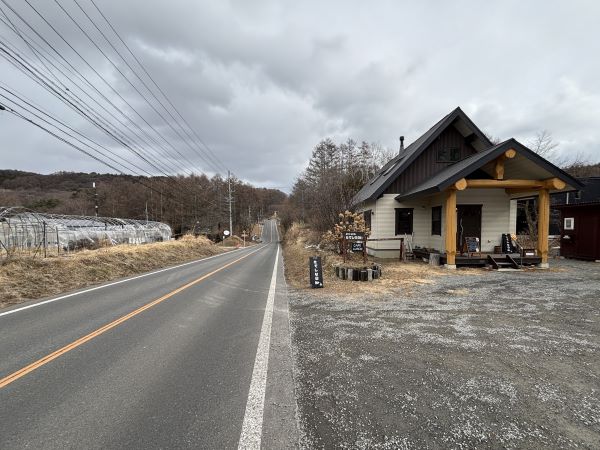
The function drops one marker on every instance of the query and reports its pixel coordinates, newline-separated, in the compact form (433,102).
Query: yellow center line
(82,340)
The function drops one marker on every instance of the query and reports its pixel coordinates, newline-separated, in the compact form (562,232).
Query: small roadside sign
(316,272)
(357,247)
(354,236)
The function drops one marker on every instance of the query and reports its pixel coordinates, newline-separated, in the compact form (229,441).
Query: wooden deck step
(503,263)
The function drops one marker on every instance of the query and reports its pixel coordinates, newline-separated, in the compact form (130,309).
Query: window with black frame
(367,217)
(448,154)
(404,221)
(436,220)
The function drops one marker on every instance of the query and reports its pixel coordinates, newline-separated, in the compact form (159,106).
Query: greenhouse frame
(26,232)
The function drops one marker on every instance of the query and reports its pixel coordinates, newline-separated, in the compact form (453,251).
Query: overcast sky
(263,81)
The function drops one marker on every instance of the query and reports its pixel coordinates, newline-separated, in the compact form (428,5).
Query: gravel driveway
(473,359)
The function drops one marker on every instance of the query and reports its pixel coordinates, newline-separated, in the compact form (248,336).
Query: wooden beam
(461,184)
(554,183)
(499,163)
(551,183)
(543,224)
(506,184)
(521,191)
(450,234)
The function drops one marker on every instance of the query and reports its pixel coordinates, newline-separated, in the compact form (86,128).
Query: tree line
(335,173)
(187,203)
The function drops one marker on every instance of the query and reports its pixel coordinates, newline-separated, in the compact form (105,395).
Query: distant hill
(584,170)
(186,203)
(60,181)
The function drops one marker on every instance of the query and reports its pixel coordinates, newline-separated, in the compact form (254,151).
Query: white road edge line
(12,311)
(251,434)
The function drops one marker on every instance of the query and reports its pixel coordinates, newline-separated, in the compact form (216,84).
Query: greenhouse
(27,232)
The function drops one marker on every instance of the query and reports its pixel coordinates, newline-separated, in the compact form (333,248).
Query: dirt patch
(488,360)
(300,243)
(31,278)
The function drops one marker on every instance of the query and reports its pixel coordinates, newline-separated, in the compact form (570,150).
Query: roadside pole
(95,198)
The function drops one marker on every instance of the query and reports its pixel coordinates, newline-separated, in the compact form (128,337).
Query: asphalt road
(196,356)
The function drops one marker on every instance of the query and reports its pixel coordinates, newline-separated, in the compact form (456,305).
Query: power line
(155,84)
(85,33)
(21,64)
(69,97)
(93,70)
(212,160)
(85,80)
(71,144)
(48,120)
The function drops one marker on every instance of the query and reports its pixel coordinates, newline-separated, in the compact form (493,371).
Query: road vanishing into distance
(194,356)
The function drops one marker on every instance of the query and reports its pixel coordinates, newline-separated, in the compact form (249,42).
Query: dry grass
(236,241)
(298,246)
(30,278)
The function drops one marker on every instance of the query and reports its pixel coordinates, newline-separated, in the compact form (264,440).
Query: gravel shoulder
(468,359)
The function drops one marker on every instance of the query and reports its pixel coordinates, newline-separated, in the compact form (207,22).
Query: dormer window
(448,154)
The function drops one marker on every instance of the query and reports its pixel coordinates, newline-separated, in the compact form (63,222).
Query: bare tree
(493,139)
(544,145)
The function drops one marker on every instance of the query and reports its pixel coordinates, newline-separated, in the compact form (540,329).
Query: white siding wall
(498,215)
(384,225)
(513,217)
(495,213)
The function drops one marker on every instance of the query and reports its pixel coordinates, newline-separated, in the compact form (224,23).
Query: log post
(499,168)
(543,225)
(451,229)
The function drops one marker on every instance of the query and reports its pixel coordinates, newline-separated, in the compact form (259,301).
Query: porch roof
(530,161)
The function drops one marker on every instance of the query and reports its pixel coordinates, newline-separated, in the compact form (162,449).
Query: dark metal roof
(394,168)
(461,169)
(589,194)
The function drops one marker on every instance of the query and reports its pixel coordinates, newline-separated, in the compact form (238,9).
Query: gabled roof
(467,166)
(394,168)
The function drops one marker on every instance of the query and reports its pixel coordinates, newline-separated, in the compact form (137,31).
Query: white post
(230,201)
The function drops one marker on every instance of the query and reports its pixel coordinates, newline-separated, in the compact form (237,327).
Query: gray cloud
(262,82)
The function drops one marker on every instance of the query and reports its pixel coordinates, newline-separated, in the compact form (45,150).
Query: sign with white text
(354,236)
(316,271)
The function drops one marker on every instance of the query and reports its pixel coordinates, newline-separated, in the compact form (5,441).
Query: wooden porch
(452,258)
(483,259)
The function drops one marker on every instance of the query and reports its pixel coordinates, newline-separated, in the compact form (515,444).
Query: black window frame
(367,216)
(408,225)
(448,154)
(436,222)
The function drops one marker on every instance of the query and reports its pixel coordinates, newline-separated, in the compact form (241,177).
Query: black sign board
(354,236)
(316,271)
(357,247)
(507,245)
(472,244)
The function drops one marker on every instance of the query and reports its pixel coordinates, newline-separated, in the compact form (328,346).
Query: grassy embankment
(31,278)
(299,244)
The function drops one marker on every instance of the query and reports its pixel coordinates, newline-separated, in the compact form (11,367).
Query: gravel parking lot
(470,359)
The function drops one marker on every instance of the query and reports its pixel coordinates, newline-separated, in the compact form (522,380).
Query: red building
(580,221)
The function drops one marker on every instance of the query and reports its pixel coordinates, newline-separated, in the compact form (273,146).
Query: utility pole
(95,198)
(230,200)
